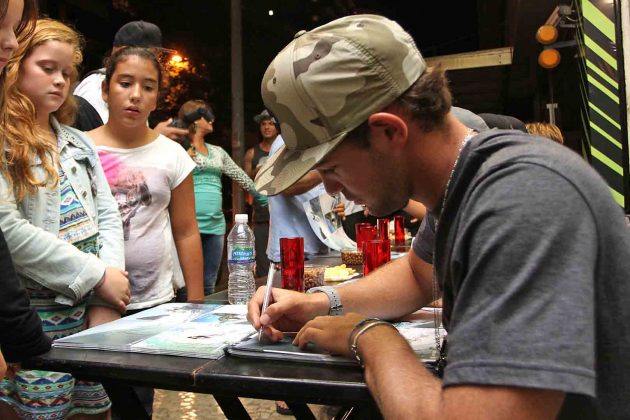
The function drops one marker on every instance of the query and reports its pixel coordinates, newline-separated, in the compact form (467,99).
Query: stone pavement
(176,405)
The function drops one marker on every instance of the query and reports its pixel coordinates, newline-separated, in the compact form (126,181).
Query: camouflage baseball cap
(327,82)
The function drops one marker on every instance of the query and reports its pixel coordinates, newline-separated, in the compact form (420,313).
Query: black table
(226,379)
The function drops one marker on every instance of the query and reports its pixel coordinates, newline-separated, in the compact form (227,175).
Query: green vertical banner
(606,95)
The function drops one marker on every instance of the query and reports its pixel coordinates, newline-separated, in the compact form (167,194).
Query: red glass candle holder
(399,229)
(365,232)
(292,263)
(374,255)
(382,225)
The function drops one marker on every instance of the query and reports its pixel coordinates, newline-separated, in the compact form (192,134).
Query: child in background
(21,334)
(212,162)
(58,216)
(150,178)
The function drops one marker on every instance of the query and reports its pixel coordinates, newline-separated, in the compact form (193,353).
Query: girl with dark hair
(150,177)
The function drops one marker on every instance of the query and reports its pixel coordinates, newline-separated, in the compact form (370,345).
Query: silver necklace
(436,317)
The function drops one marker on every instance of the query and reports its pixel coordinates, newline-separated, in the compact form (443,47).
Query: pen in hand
(268,288)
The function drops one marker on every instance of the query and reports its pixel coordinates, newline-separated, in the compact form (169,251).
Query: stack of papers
(177,329)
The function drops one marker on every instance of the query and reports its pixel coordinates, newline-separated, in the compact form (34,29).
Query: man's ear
(393,127)
(104,90)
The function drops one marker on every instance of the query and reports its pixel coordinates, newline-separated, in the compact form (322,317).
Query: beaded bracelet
(354,345)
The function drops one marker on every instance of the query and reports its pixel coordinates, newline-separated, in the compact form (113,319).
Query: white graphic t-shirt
(141,180)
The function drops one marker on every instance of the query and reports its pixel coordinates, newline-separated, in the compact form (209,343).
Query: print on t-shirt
(131,191)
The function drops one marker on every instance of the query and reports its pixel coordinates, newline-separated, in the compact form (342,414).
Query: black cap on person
(138,34)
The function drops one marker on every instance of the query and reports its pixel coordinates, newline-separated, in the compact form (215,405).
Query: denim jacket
(31,227)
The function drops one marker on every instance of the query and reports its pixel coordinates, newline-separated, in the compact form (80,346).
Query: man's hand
(288,312)
(329,332)
(173,133)
(97,315)
(114,288)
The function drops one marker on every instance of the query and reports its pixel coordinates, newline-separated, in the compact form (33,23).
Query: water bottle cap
(241,218)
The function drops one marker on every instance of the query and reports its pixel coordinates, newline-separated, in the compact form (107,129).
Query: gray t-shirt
(533,257)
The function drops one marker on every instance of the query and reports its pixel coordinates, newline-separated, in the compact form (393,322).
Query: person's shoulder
(162,141)
(217,149)
(93,78)
(502,146)
(81,137)
(168,147)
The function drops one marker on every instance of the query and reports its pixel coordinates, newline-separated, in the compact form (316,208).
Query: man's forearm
(392,291)
(402,387)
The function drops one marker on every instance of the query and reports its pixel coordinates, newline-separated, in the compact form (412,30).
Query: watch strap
(336,308)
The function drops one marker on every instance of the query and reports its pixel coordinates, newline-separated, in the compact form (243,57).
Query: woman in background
(212,162)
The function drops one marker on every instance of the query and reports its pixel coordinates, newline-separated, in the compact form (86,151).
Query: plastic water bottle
(241,258)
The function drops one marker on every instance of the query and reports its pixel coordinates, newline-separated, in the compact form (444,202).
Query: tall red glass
(399,229)
(382,225)
(374,255)
(365,232)
(292,263)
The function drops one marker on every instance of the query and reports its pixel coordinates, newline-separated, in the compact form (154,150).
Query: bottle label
(241,255)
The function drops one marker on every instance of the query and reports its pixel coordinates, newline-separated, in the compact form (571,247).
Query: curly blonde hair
(24,140)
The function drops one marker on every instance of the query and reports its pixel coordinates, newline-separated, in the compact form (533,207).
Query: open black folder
(419,332)
(284,350)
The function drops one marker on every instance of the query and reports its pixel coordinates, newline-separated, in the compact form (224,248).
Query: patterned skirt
(42,395)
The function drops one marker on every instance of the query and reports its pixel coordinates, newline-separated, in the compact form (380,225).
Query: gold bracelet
(354,347)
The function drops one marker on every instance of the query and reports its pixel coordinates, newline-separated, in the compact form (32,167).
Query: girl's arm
(231,169)
(43,257)
(187,239)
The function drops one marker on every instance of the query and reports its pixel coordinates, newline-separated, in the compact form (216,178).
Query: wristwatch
(336,308)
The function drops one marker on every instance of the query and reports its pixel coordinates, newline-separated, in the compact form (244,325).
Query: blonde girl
(58,216)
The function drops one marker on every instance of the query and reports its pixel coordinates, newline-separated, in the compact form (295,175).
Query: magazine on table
(419,332)
(177,329)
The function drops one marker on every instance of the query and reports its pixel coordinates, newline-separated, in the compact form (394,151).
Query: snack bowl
(313,275)
(351,257)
